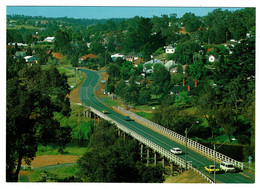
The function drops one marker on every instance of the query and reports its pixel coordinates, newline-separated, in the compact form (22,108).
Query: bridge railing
(166,153)
(181,139)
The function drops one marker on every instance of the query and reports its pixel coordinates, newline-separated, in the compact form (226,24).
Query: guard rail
(181,139)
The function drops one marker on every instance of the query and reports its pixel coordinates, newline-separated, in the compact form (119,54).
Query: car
(104,111)
(210,169)
(176,151)
(127,118)
(227,167)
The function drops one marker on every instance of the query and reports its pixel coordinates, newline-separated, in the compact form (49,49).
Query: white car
(227,167)
(176,151)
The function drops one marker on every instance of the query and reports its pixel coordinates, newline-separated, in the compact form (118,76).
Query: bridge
(157,138)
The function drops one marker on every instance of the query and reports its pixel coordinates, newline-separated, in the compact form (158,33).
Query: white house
(49,39)
(169,49)
(30,59)
(169,64)
(19,44)
(117,55)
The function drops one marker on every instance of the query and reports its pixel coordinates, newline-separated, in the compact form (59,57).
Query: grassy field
(145,115)
(110,102)
(49,150)
(29,27)
(59,172)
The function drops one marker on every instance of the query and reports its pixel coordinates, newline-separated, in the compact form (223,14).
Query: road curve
(87,96)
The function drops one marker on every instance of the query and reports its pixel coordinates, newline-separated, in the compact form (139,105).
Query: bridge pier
(171,168)
(163,164)
(124,136)
(95,120)
(155,158)
(142,151)
(148,156)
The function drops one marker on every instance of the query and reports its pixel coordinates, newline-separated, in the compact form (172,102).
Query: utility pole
(186,133)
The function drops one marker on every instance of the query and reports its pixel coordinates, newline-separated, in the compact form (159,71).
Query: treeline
(143,36)
(23,19)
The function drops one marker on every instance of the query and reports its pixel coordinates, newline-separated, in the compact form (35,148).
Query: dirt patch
(45,160)
(186,177)
(146,111)
(74,94)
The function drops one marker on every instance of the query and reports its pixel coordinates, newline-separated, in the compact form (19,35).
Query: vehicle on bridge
(127,118)
(176,151)
(210,169)
(227,167)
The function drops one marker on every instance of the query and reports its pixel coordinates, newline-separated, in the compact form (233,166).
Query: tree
(224,118)
(31,101)
(113,71)
(191,22)
(144,96)
(62,40)
(97,48)
(113,160)
(161,79)
(184,52)
(205,103)
(197,70)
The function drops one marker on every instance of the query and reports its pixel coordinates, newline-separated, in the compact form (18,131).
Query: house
(169,64)
(49,39)
(20,54)
(174,70)
(186,86)
(87,56)
(154,61)
(31,59)
(131,58)
(20,44)
(169,49)
(117,55)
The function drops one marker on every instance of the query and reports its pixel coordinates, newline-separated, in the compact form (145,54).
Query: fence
(179,161)
(181,139)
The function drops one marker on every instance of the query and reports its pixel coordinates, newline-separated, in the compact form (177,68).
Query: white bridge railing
(179,161)
(181,139)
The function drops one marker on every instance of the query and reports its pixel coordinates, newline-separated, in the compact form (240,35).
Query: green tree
(191,22)
(62,40)
(29,122)
(144,96)
(113,160)
(161,79)
(113,71)
(184,52)
(97,48)
(197,70)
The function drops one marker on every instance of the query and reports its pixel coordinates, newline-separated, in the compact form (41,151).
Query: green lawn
(49,150)
(145,115)
(52,173)
(110,102)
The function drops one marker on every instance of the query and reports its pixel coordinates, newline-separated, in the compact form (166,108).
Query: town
(132,100)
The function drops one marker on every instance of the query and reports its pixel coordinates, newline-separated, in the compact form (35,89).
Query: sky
(100,12)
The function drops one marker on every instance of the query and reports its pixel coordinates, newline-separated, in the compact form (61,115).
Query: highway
(88,98)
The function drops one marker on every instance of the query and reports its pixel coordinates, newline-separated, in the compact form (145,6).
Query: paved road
(88,98)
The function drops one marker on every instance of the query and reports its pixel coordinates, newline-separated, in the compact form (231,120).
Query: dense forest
(223,99)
